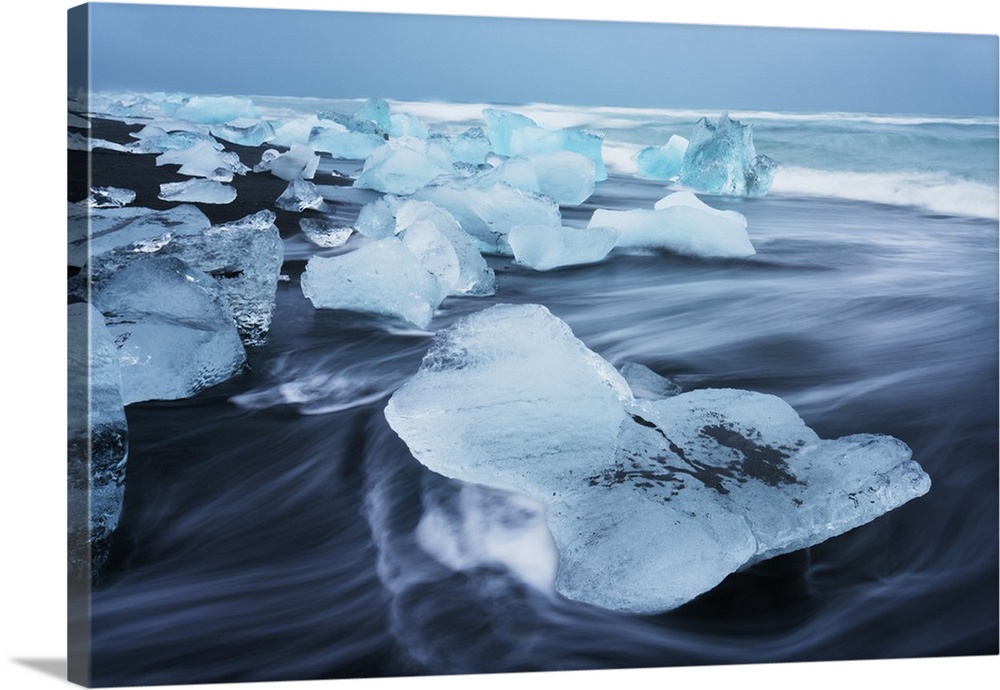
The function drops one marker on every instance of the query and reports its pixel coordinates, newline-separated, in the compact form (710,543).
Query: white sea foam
(936,192)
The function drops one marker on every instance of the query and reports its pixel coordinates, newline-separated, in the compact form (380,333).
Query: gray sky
(468,59)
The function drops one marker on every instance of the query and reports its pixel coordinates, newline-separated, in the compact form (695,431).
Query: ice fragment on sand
(341,142)
(662,162)
(383,277)
(474,276)
(202,159)
(109,197)
(172,327)
(488,214)
(650,502)
(299,195)
(402,166)
(325,232)
(543,247)
(214,110)
(722,159)
(680,223)
(198,191)
(513,134)
(300,161)
(97,440)
(117,227)
(244,131)
(377,220)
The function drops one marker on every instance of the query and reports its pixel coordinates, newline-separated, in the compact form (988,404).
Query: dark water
(273,539)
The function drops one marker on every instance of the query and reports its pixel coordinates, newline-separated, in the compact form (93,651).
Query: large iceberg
(383,277)
(650,502)
(97,436)
(172,327)
(722,159)
(682,223)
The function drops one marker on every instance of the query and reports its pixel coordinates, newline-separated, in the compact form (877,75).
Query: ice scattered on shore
(202,159)
(513,134)
(662,162)
(402,166)
(197,191)
(325,232)
(298,162)
(544,247)
(109,197)
(299,195)
(650,502)
(244,131)
(215,110)
(682,223)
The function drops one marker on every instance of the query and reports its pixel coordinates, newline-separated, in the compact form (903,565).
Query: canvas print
(464,345)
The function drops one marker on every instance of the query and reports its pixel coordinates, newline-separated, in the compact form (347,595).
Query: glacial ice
(488,214)
(402,166)
(544,247)
(341,142)
(645,383)
(198,191)
(300,161)
(202,159)
(435,253)
(243,256)
(215,110)
(375,110)
(244,131)
(662,162)
(117,227)
(722,159)
(97,436)
(650,502)
(325,232)
(377,219)
(682,223)
(471,146)
(513,134)
(299,195)
(109,197)
(172,326)
(383,277)
(474,276)
(564,176)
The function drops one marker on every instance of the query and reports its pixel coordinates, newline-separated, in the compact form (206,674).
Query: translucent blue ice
(300,195)
(172,327)
(197,191)
(662,162)
(214,110)
(325,232)
(244,131)
(650,502)
(722,159)
(546,247)
(402,166)
(513,134)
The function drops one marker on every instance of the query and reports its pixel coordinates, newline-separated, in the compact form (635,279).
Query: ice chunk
(243,256)
(650,502)
(215,110)
(173,328)
(118,227)
(544,247)
(202,159)
(198,191)
(722,159)
(383,277)
(435,253)
(488,214)
(300,161)
(646,384)
(109,197)
(79,142)
(170,137)
(474,277)
(377,220)
(341,142)
(402,166)
(470,146)
(299,195)
(407,125)
(513,134)
(288,133)
(376,111)
(97,436)
(662,162)
(244,131)
(680,223)
(326,232)
(565,176)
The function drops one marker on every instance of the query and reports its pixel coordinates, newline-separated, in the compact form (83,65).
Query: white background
(32,385)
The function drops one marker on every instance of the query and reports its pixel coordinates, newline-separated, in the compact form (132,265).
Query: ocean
(270,523)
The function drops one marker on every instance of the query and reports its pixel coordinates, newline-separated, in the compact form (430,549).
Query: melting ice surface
(722,159)
(650,502)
